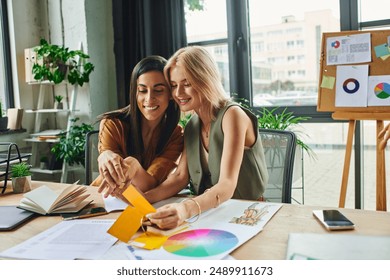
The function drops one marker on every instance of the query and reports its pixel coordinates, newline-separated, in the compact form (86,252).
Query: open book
(44,200)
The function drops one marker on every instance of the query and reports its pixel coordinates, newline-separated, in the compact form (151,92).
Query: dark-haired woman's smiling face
(153,95)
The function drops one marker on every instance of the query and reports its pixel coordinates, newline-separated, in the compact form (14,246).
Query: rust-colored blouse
(113,134)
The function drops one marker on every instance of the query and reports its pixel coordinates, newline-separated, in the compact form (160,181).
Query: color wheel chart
(200,243)
(382,90)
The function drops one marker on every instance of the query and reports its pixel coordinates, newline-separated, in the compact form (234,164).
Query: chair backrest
(279,149)
(91,155)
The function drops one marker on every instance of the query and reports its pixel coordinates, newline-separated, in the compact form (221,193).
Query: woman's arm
(238,130)
(175,182)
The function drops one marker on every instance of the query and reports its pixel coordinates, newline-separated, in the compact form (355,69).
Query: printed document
(67,240)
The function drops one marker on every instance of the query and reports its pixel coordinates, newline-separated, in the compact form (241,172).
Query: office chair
(279,150)
(91,155)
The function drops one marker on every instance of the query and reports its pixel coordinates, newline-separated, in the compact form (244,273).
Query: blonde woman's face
(182,91)
(152,95)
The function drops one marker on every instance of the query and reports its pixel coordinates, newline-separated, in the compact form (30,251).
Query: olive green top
(253,174)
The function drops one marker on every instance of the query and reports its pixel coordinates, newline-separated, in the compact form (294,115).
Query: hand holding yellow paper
(130,220)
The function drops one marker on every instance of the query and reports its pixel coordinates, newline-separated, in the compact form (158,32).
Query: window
(291,21)
(374,10)
(284,47)
(210,23)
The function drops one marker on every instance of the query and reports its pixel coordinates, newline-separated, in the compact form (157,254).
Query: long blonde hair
(202,73)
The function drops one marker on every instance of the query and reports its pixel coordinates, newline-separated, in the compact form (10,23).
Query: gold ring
(142,225)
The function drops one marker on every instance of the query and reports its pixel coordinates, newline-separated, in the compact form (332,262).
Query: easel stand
(380,154)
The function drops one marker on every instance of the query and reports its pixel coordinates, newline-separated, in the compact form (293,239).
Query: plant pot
(43,165)
(21,184)
(3,123)
(58,105)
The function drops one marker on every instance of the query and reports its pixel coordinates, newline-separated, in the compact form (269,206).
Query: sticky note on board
(381,50)
(129,221)
(385,57)
(328,82)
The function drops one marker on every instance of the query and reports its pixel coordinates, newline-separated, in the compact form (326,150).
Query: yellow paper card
(138,201)
(127,224)
(150,241)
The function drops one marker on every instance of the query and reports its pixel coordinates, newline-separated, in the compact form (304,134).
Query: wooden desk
(270,244)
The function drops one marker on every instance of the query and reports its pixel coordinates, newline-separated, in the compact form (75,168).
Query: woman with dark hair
(140,143)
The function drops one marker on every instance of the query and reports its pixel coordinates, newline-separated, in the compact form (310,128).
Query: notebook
(12,217)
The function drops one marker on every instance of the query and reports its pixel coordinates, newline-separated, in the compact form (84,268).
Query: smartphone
(333,220)
(85,213)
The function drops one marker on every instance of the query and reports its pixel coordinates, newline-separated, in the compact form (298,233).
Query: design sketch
(251,215)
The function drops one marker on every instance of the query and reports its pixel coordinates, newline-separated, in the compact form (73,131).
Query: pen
(84,216)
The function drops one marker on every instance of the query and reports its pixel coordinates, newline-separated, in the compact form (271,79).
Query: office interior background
(268,53)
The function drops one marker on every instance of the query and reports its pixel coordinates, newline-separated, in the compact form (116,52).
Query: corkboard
(377,66)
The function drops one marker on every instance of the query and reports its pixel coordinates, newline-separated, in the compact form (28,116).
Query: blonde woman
(223,156)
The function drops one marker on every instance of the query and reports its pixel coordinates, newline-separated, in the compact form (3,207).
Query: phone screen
(333,219)
(85,213)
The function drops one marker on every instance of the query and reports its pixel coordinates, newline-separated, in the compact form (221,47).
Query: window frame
(8,85)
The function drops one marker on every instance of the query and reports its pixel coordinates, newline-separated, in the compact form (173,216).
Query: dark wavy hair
(132,114)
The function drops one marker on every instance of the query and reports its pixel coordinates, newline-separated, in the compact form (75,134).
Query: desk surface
(269,244)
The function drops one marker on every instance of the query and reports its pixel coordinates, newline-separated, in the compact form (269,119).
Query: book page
(70,198)
(75,206)
(68,191)
(42,196)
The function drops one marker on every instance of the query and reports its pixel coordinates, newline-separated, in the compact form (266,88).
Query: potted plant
(57,63)
(21,177)
(271,119)
(43,162)
(58,102)
(71,147)
(3,119)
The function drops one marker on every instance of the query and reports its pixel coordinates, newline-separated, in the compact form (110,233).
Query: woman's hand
(110,167)
(169,216)
(116,171)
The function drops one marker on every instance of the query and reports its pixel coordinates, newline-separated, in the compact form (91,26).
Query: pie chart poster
(351,86)
(379,90)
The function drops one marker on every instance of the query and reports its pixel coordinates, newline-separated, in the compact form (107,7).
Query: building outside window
(285,46)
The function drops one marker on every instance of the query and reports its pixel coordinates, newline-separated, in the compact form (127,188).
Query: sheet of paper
(379,90)
(333,246)
(351,86)
(67,240)
(348,49)
(111,203)
(217,233)
(119,251)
